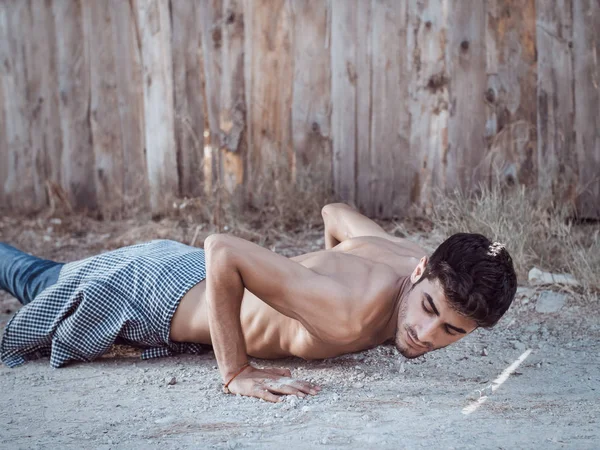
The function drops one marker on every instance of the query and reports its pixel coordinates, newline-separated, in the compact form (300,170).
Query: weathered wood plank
(362,64)
(189,101)
(4,111)
(270,92)
(42,87)
(556,147)
(129,79)
(210,20)
(77,162)
(232,117)
(344,17)
(311,103)
(466,62)
(20,186)
(429,97)
(390,122)
(510,96)
(586,49)
(104,107)
(154,23)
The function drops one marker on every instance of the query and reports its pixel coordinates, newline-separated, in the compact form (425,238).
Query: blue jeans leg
(24,275)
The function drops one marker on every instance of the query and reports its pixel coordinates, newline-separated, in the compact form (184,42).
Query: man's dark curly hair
(476,275)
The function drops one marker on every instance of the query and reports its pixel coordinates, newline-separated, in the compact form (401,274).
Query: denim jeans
(25,276)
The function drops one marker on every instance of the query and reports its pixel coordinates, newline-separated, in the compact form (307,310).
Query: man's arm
(292,289)
(343,222)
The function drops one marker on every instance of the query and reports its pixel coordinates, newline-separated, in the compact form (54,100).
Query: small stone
(539,277)
(165,420)
(172,381)
(484,352)
(550,302)
(518,345)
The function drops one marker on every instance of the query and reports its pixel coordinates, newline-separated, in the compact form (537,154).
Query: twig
(195,235)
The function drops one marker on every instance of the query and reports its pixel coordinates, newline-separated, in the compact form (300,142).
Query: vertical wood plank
(362,65)
(104,107)
(189,101)
(77,163)
(232,115)
(209,17)
(270,96)
(4,148)
(42,87)
(586,49)
(429,98)
(466,125)
(510,96)
(390,123)
(129,79)
(344,94)
(155,31)
(311,103)
(20,185)
(556,149)
(3,145)
(4,109)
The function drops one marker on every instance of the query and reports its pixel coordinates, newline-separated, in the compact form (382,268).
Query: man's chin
(408,352)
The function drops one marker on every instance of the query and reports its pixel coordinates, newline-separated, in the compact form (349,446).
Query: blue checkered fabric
(125,296)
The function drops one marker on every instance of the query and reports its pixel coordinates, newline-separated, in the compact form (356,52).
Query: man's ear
(419,270)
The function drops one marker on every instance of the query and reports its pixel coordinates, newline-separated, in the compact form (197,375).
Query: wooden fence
(126,104)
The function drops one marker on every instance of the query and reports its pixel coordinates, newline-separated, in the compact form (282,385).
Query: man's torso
(375,269)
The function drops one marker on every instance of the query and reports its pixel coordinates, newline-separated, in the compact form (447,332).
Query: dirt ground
(374,399)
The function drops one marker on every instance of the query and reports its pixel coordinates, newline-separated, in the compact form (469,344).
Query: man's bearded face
(426,321)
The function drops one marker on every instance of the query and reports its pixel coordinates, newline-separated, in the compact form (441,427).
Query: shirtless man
(366,288)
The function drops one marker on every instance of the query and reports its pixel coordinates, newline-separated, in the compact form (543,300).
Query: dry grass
(278,208)
(536,231)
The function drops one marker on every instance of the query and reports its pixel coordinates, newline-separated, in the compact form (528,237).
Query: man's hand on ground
(270,384)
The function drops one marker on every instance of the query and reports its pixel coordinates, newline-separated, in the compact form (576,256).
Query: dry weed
(271,207)
(536,231)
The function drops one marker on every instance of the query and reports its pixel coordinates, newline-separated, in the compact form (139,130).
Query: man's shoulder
(401,259)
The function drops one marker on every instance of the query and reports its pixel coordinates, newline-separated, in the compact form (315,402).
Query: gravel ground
(373,399)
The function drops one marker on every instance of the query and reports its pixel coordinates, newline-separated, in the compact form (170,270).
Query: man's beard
(404,350)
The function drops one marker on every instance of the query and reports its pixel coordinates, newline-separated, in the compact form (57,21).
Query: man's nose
(426,334)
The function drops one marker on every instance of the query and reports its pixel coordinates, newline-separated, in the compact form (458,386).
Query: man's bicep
(287,286)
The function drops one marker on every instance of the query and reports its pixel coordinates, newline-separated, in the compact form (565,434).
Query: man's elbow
(332,207)
(218,245)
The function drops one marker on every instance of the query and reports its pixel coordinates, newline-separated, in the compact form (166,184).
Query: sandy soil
(374,399)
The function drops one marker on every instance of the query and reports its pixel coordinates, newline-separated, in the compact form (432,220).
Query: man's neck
(402,290)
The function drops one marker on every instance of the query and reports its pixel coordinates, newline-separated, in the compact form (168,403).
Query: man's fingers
(280,371)
(305,387)
(267,396)
(292,387)
(285,389)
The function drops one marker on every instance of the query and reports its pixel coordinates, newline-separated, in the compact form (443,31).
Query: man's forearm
(224,294)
